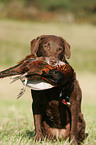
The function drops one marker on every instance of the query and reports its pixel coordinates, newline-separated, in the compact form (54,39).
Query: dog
(52,118)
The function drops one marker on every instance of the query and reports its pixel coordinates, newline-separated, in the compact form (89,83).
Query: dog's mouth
(52,61)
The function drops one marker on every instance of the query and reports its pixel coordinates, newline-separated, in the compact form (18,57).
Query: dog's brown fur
(51,117)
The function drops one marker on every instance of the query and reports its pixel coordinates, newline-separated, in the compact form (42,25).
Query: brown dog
(52,118)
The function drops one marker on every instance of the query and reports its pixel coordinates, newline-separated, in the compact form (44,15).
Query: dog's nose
(53,61)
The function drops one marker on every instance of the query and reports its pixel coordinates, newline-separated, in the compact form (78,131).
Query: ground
(16,119)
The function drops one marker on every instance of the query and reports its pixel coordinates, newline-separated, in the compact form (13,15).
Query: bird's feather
(38,74)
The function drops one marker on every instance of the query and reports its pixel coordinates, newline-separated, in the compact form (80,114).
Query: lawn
(16,120)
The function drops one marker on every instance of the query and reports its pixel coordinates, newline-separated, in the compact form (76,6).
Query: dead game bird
(40,73)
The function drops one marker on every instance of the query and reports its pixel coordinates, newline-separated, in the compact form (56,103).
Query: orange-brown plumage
(38,68)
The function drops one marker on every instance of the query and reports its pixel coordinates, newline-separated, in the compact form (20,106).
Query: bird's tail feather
(15,70)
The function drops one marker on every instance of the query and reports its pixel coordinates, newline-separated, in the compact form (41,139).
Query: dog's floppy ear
(67,49)
(35,44)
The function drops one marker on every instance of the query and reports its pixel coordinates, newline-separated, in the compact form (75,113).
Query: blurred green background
(20,22)
(59,10)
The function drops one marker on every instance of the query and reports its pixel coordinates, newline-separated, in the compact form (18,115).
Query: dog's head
(54,47)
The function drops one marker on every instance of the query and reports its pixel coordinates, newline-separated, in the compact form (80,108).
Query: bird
(40,73)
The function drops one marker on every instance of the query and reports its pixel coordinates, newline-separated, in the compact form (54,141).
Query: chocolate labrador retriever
(52,117)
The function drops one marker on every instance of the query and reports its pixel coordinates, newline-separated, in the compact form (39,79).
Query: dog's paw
(74,141)
(38,137)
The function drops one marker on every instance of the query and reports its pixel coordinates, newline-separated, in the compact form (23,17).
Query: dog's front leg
(37,122)
(75,108)
(74,118)
(37,112)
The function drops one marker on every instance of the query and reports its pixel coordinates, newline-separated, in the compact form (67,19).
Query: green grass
(51,10)
(16,119)
(17,127)
(15,37)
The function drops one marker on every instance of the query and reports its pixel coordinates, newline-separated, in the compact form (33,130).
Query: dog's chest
(56,114)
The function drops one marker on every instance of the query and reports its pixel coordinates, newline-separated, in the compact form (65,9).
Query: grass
(15,37)
(16,119)
(51,10)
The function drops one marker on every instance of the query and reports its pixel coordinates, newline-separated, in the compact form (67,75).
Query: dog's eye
(60,48)
(46,46)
